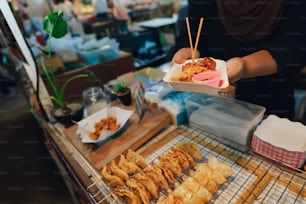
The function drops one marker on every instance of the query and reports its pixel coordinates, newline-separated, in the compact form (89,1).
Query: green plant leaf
(61,96)
(51,82)
(55,25)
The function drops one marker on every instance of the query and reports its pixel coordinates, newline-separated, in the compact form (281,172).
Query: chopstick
(194,49)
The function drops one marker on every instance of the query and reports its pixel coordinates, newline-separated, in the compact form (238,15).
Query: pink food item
(211,78)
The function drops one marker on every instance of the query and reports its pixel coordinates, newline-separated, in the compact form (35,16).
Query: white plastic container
(225,117)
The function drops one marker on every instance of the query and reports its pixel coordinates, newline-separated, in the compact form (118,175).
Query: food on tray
(217,165)
(191,148)
(190,159)
(148,183)
(109,123)
(130,196)
(166,171)
(172,163)
(182,158)
(128,167)
(140,191)
(111,180)
(142,183)
(189,70)
(115,170)
(136,158)
(157,176)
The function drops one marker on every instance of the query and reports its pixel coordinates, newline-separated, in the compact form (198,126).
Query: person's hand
(183,54)
(235,69)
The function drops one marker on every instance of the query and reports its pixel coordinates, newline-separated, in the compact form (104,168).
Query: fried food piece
(212,186)
(118,172)
(157,176)
(137,159)
(190,159)
(148,183)
(188,70)
(204,176)
(182,194)
(111,180)
(201,177)
(130,197)
(213,175)
(217,165)
(166,171)
(172,163)
(182,159)
(197,189)
(141,191)
(109,123)
(127,166)
(191,148)
(170,199)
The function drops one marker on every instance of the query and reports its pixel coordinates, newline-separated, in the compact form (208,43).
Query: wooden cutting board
(135,134)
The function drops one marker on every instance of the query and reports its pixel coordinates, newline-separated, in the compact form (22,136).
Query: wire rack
(255,179)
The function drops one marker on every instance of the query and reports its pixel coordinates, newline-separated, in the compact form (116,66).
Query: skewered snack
(140,190)
(111,180)
(189,70)
(156,175)
(137,159)
(148,183)
(128,167)
(118,172)
(191,148)
(129,196)
(109,123)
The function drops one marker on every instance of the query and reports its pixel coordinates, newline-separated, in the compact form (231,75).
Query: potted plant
(123,92)
(64,112)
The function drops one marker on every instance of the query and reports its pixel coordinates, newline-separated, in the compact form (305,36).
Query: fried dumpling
(171,163)
(129,196)
(166,171)
(141,191)
(191,148)
(137,159)
(148,183)
(111,180)
(118,172)
(127,166)
(157,176)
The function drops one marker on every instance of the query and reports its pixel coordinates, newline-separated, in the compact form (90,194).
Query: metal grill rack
(255,179)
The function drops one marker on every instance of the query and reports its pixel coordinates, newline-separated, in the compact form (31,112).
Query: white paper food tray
(86,125)
(194,87)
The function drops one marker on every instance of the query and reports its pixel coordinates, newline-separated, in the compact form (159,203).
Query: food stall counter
(253,179)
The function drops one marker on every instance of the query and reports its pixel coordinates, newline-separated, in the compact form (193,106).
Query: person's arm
(259,63)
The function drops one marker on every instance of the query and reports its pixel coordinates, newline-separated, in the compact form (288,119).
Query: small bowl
(211,78)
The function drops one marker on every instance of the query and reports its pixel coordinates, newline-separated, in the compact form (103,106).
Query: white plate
(86,125)
(195,87)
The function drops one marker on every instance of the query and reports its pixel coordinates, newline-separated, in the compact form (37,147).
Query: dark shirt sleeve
(287,44)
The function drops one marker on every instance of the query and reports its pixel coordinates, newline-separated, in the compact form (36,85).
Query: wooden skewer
(190,38)
(197,39)
(194,49)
